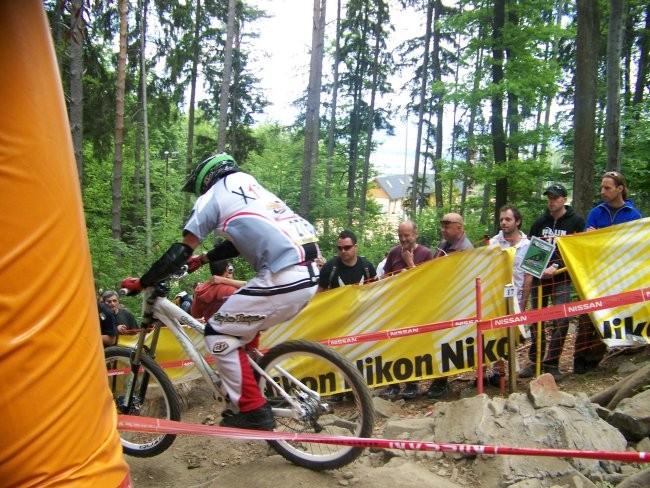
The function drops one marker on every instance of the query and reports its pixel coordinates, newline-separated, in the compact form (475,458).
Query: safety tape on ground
(162,426)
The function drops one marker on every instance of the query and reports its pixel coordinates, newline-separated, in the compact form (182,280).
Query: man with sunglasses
(452,229)
(615,208)
(347,268)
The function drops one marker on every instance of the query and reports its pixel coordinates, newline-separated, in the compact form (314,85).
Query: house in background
(391,191)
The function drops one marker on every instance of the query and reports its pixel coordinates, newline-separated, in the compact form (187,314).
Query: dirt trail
(197,461)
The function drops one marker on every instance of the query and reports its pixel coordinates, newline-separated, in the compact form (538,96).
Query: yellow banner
(440,290)
(610,261)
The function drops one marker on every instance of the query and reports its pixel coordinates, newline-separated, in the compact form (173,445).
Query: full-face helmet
(208,172)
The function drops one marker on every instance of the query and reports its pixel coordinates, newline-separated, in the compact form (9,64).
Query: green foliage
(538,76)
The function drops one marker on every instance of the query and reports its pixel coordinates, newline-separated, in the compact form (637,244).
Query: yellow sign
(440,290)
(606,262)
(444,289)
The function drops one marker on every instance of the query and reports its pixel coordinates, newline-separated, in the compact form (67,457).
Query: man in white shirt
(510,235)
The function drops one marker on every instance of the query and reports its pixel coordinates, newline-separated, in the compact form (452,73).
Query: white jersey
(265,231)
(521,249)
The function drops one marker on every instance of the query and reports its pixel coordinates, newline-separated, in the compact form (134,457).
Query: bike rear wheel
(154,396)
(325,371)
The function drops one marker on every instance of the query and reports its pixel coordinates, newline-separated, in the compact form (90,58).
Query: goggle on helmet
(208,172)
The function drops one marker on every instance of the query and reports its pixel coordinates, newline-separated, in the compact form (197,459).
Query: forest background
(508,95)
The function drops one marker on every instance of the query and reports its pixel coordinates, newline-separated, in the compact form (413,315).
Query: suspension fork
(140,350)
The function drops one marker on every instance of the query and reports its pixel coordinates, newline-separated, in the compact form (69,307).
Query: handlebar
(181,273)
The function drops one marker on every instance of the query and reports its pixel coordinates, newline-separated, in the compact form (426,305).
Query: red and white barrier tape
(146,424)
(528,317)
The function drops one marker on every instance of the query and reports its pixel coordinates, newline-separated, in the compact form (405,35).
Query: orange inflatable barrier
(58,424)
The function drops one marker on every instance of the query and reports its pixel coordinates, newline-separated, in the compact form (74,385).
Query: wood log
(627,387)
(637,480)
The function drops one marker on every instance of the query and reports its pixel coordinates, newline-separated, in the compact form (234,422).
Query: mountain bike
(297,377)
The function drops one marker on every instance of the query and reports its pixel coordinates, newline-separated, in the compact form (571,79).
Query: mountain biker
(281,247)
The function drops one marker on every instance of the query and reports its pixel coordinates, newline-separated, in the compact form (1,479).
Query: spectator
(615,209)
(124,320)
(454,240)
(347,268)
(406,255)
(107,324)
(558,220)
(210,296)
(452,229)
(510,235)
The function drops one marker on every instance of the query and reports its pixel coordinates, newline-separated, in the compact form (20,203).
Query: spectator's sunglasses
(344,248)
(616,176)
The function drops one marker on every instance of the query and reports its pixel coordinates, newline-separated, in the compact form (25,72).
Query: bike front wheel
(335,402)
(153,396)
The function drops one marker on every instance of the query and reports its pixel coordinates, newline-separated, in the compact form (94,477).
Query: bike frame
(167,313)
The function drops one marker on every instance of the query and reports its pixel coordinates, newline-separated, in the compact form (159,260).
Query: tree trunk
(312,115)
(438,106)
(586,81)
(75,107)
(454,132)
(189,157)
(560,8)
(145,130)
(642,66)
(512,123)
(355,119)
(371,116)
(498,135)
(472,149)
(116,213)
(224,95)
(627,43)
(331,138)
(421,108)
(616,22)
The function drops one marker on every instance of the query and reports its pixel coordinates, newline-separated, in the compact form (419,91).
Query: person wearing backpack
(347,268)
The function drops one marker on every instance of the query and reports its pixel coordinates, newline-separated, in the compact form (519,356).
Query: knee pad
(220,344)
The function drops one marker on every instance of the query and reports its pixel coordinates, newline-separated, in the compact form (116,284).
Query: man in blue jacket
(615,209)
